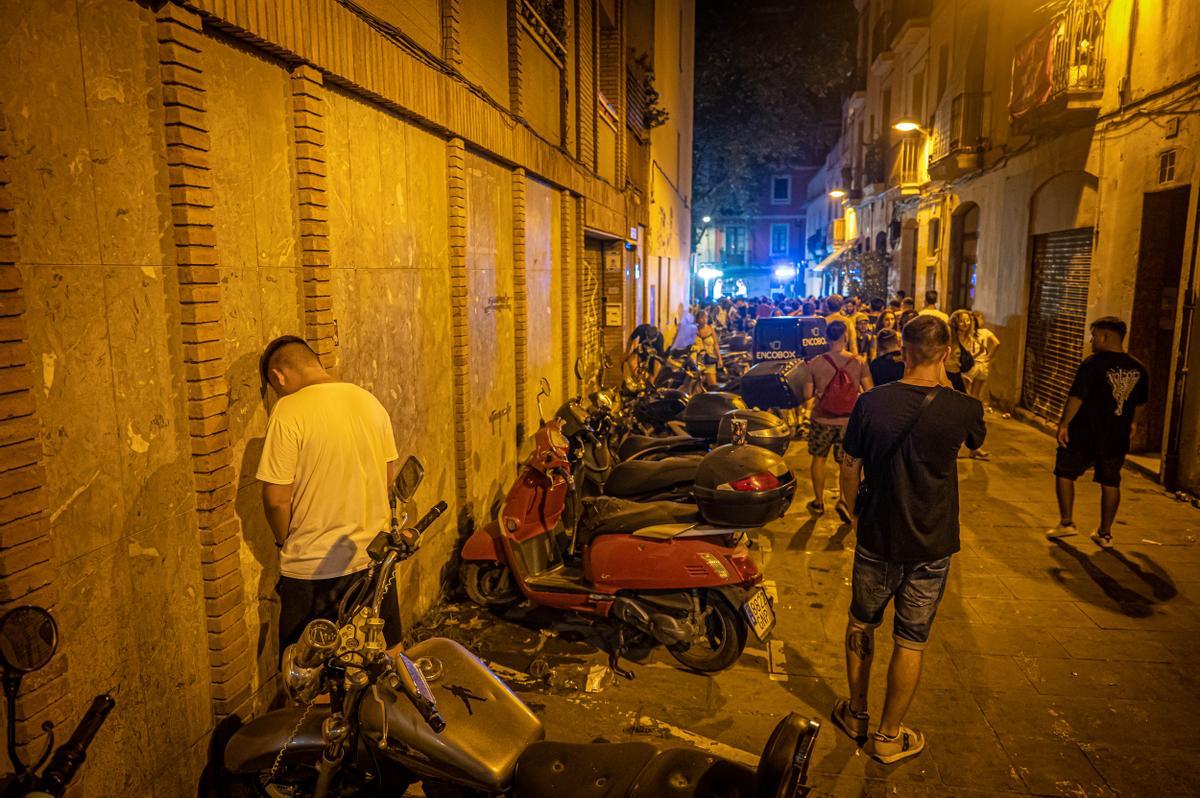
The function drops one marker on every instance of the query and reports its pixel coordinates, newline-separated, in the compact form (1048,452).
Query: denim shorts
(917,588)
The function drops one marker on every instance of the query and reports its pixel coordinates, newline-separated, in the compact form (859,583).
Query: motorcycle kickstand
(614,656)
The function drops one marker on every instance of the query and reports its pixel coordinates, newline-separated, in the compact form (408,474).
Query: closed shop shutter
(591,281)
(1062,266)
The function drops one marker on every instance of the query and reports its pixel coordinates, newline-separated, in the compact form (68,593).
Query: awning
(830,258)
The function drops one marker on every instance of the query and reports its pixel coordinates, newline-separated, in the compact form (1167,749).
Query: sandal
(815,507)
(853,724)
(1103,541)
(908,742)
(980,454)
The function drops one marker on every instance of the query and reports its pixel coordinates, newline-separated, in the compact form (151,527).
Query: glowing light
(706,219)
(709,273)
(906,125)
(785,273)
(837,193)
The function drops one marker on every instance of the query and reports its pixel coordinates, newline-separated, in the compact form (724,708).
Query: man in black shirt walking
(1096,424)
(901,446)
(888,365)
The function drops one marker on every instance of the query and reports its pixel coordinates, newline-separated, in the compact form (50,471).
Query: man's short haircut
(876,304)
(894,304)
(836,331)
(1112,324)
(287,350)
(931,297)
(833,303)
(887,339)
(926,338)
(907,302)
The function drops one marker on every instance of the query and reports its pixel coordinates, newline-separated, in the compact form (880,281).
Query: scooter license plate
(760,614)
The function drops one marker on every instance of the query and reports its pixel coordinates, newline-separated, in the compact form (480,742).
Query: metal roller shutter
(591,283)
(1062,266)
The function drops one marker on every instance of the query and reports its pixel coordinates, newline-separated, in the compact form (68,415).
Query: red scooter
(657,567)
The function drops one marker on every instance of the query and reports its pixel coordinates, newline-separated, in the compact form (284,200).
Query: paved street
(1055,668)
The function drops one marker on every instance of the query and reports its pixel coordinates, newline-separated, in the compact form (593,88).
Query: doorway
(1152,321)
(964,246)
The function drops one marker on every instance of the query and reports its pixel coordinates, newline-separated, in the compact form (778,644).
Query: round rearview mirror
(28,639)
(579,368)
(409,478)
(544,385)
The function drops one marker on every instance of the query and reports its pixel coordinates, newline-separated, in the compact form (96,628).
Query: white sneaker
(1062,531)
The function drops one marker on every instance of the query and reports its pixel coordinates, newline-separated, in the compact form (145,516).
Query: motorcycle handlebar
(70,756)
(435,512)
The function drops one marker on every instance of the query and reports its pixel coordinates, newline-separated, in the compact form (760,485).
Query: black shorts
(1070,463)
(302,600)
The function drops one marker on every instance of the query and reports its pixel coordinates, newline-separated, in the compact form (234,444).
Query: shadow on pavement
(1129,601)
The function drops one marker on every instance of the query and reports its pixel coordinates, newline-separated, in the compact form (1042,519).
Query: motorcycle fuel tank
(487,727)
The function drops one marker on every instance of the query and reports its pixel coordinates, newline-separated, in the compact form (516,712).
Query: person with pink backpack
(836,379)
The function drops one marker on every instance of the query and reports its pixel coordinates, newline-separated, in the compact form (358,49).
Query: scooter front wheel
(489,584)
(722,637)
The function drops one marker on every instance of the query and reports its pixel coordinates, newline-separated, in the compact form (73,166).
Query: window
(943,72)
(1166,167)
(735,240)
(935,233)
(781,190)
(779,239)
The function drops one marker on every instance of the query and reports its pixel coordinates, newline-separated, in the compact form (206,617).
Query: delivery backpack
(840,394)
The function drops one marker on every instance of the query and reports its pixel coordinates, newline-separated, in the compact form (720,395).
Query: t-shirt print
(1122,382)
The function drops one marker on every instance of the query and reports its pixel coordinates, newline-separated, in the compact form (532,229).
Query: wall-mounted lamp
(837,193)
(907,125)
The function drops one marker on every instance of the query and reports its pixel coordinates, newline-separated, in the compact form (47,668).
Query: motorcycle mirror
(544,386)
(579,368)
(28,639)
(409,477)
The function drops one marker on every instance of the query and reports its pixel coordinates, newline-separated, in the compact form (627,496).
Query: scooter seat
(627,770)
(635,445)
(611,516)
(580,770)
(640,477)
(689,773)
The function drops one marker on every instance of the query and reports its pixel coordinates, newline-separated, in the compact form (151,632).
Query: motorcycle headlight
(303,684)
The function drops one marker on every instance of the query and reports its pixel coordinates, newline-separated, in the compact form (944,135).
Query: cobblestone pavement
(1054,668)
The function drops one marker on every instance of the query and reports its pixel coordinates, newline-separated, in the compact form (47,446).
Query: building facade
(448,200)
(764,250)
(1044,173)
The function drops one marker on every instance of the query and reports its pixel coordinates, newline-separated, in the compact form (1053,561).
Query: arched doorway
(964,247)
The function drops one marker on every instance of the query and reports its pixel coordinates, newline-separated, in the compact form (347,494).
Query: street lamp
(907,125)
(706,219)
(837,193)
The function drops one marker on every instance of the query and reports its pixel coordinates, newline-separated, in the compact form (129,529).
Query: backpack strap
(836,368)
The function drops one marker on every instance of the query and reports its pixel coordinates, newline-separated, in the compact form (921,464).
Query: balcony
(960,135)
(881,42)
(733,257)
(874,173)
(905,171)
(1058,72)
(908,18)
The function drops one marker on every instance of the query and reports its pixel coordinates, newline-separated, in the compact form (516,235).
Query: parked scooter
(384,727)
(678,573)
(28,640)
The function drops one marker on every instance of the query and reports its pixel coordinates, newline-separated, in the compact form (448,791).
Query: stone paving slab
(1055,668)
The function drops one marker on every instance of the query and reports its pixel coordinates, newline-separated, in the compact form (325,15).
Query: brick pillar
(26,574)
(520,297)
(456,169)
(620,101)
(203,347)
(451,44)
(515,103)
(584,282)
(566,247)
(308,126)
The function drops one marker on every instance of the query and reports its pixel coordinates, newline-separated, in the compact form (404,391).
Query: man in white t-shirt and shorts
(326,464)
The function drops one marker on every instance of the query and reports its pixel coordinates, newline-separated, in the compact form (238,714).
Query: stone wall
(184,183)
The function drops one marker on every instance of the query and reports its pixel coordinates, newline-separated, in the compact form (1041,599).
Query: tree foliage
(769,80)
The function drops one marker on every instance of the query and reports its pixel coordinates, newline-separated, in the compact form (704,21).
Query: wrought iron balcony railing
(905,162)
(961,130)
(1058,72)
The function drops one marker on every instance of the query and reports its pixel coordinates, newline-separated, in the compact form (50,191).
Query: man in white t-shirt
(325,468)
(931,308)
